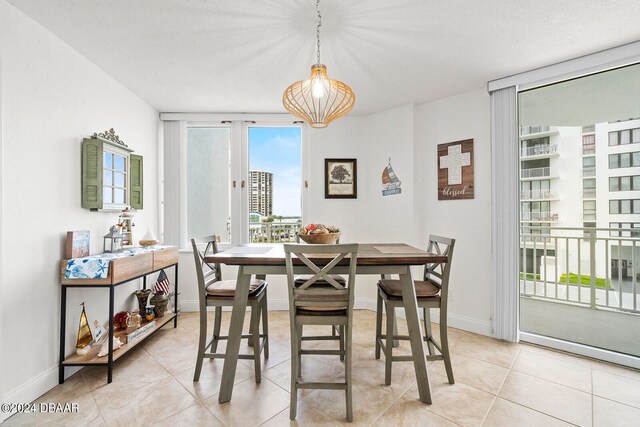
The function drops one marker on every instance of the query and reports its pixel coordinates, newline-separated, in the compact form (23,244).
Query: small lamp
(113,240)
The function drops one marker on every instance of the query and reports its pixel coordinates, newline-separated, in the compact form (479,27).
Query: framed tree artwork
(340,179)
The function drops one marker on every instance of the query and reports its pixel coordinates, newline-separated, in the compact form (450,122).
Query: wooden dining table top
(368,254)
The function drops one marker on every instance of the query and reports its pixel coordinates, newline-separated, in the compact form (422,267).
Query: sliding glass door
(579,146)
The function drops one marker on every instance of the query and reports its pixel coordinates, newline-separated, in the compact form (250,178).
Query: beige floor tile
(196,415)
(312,370)
(615,369)
(557,354)
(474,372)
(369,402)
(409,413)
(459,403)
(305,415)
(142,404)
(484,348)
(251,404)
(74,390)
(278,353)
(504,413)
(616,387)
(559,401)
(137,366)
(607,413)
(175,351)
(210,377)
(372,371)
(559,370)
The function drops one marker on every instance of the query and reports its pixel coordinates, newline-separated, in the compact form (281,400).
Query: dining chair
(313,303)
(431,292)
(337,332)
(218,293)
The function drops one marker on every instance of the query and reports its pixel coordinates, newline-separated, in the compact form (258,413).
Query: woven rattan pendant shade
(318,100)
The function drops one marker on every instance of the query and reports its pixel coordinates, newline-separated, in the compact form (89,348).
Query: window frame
(115,151)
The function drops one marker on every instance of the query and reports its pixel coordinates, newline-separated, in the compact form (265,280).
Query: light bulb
(317,87)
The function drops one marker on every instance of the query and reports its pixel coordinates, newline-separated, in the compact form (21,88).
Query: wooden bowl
(147,242)
(320,239)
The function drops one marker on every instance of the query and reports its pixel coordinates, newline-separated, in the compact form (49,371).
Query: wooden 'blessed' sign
(455,170)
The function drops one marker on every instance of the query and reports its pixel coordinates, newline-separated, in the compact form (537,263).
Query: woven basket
(316,239)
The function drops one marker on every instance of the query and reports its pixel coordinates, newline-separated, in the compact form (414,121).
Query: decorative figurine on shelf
(104,350)
(84,335)
(120,320)
(125,222)
(142,295)
(134,319)
(148,313)
(113,240)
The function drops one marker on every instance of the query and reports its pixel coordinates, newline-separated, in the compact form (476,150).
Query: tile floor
(497,384)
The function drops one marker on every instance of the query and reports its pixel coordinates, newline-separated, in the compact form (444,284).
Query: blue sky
(279,151)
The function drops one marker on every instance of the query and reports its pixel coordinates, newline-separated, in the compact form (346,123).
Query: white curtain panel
(504,212)
(171,197)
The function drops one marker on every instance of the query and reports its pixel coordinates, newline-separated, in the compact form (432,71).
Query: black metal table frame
(111,286)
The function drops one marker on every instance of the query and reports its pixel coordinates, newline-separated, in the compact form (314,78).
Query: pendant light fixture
(318,100)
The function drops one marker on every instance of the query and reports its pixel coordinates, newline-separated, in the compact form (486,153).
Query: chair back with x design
(438,273)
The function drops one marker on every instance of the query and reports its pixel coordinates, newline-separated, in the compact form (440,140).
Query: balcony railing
(583,266)
(588,194)
(535,173)
(536,195)
(589,171)
(526,130)
(539,216)
(588,149)
(273,232)
(539,150)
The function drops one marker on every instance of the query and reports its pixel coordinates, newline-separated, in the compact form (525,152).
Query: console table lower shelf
(92,358)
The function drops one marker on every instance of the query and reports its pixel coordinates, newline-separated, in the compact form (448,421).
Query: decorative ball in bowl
(316,234)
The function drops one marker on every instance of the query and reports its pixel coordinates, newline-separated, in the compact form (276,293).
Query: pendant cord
(318,28)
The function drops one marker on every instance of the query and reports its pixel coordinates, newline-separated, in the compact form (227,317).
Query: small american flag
(162,284)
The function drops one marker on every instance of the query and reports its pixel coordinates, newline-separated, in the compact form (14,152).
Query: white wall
(51,98)
(468,221)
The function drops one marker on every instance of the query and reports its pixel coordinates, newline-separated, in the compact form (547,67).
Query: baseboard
(455,320)
(36,387)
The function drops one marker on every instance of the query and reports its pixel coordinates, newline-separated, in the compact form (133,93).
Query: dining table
(266,259)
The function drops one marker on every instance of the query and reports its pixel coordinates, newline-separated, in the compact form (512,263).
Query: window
(589,210)
(624,206)
(589,188)
(624,137)
(588,144)
(628,229)
(114,181)
(624,160)
(209,182)
(233,183)
(624,183)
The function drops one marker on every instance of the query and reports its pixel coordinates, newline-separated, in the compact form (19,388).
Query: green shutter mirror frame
(92,171)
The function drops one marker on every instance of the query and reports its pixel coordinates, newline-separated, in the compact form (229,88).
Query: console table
(121,270)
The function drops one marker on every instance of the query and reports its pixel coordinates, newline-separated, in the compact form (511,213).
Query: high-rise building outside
(261,192)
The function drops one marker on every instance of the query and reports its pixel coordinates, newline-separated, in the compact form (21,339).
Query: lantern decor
(113,240)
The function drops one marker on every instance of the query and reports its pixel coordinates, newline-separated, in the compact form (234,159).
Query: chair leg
(347,368)
(389,343)
(341,332)
(201,344)
(299,347)
(255,337)
(428,335)
(216,328)
(265,325)
(378,324)
(293,400)
(444,343)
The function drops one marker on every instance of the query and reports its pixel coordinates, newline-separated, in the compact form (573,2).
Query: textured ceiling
(240,55)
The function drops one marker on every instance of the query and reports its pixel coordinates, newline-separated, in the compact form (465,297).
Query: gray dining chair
(431,292)
(337,332)
(218,293)
(329,303)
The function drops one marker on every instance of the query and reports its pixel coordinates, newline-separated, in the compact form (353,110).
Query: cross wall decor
(455,170)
